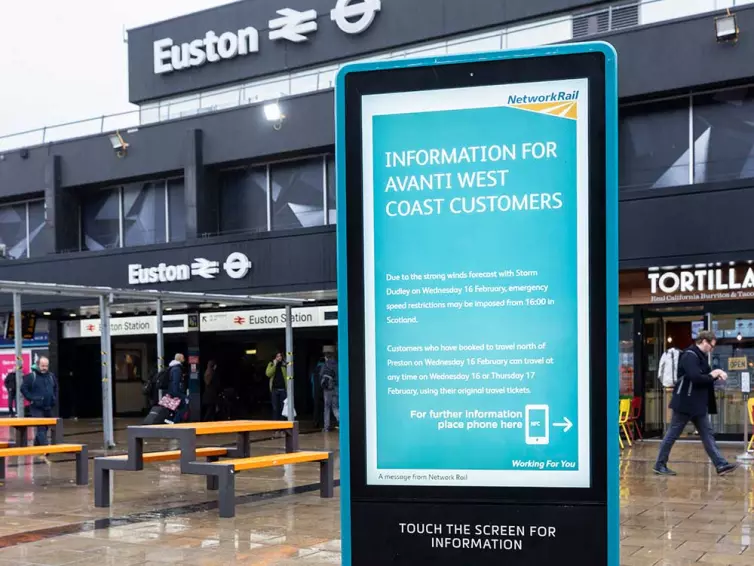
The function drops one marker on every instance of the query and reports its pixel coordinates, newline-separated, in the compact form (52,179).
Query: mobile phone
(537,424)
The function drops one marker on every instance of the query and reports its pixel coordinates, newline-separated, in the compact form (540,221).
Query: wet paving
(160,517)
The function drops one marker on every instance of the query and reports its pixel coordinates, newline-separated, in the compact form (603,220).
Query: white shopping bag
(285,409)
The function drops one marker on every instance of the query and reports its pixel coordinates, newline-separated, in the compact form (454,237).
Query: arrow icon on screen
(566,426)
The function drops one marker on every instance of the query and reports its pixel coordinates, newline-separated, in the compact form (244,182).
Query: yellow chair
(624,412)
(750,409)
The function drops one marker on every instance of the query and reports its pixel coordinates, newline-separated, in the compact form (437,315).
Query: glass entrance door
(663,331)
(653,393)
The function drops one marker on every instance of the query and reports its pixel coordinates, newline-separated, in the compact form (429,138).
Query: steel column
(107,377)
(289,360)
(18,337)
(160,338)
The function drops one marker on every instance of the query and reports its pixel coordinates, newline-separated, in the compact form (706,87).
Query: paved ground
(159,517)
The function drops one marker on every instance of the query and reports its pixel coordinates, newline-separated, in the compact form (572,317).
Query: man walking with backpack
(694,400)
(40,388)
(328,378)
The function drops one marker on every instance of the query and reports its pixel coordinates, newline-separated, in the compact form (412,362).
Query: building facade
(206,188)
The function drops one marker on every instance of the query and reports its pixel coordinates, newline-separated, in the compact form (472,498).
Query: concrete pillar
(60,207)
(201,194)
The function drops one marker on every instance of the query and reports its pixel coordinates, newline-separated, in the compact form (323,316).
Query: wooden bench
(227,469)
(21,424)
(104,466)
(82,460)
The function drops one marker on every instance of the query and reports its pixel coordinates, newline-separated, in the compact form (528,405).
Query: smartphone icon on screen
(537,424)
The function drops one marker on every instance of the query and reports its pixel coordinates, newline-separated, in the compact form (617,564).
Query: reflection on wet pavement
(161,517)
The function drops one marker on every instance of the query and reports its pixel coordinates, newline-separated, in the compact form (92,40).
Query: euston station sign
(352,17)
(236,266)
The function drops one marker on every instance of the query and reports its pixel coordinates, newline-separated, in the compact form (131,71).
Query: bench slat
(16,422)
(223,427)
(168,455)
(39,450)
(272,460)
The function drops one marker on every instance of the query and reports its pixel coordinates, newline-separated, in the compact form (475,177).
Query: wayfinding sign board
(478,302)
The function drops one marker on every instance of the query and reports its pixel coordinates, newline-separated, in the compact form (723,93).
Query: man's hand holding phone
(719,374)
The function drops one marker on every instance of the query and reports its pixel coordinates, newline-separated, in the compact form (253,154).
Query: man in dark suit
(694,400)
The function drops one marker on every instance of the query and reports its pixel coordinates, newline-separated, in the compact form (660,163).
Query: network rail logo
(561,103)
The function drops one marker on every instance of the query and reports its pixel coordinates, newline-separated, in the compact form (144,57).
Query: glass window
(177,210)
(40,233)
(144,213)
(243,200)
(734,354)
(100,220)
(626,337)
(654,145)
(332,213)
(724,135)
(297,194)
(13,230)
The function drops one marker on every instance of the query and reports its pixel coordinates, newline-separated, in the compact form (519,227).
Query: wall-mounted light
(118,312)
(119,144)
(726,28)
(273,113)
(72,315)
(251,352)
(46,313)
(739,337)
(670,339)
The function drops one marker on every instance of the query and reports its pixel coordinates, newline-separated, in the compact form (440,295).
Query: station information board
(477,270)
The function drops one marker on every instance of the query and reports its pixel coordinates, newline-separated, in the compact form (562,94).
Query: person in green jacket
(278,375)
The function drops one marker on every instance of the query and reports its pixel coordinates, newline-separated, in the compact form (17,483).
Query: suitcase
(159,415)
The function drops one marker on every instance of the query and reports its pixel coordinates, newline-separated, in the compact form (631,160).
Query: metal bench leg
(227,498)
(82,467)
(326,479)
(101,485)
(57,432)
(212,481)
(291,438)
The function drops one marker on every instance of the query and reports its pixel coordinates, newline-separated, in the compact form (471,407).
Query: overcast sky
(64,60)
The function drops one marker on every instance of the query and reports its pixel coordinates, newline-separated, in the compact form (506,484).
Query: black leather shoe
(664,471)
(726,469)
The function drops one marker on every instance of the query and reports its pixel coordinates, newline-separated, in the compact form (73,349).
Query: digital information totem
(477,284)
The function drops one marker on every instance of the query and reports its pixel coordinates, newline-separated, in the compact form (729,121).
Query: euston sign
(236,266)
(290,25)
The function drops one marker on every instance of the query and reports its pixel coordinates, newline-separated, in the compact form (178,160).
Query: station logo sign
(236,266)
(351,17)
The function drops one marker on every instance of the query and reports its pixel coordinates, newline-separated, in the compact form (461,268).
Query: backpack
(327,377)
(162,379)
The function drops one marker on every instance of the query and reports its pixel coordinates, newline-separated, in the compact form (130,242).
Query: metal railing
(551,30)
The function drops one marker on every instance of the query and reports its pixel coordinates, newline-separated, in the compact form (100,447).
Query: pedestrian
(317,396)
(210,397)
(694,400)
(278,376)
(175,385)
(328,379)
(40,389)
(10,386)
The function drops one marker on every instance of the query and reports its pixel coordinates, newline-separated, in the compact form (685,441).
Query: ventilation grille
(610,19)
